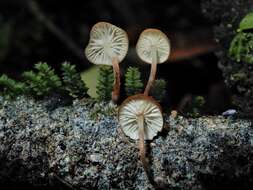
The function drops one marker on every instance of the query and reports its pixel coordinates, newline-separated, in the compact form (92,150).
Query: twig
(70,44)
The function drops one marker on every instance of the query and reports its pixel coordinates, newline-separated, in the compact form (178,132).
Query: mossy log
(79,147)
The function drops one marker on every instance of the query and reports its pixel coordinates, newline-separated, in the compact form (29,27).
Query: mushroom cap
(106,42)
(134,106)
(153,39)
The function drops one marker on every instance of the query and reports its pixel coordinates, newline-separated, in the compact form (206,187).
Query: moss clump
(72,82)
(100,110)
(197,106)
(10,87)
(194,106)
(133,83)
(105,83)
(43,81)
(158,90)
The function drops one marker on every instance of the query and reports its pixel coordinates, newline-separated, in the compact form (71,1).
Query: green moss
(10,87)
(72,82)
(194,106)
(133,83)
(105,83)
(197,106)
(102,109)
(241,48)
(43,81)
(158,90)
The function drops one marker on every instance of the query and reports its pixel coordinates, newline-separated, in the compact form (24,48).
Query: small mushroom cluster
(108,45)
(140,116)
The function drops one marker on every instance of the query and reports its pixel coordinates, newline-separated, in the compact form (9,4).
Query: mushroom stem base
(142,148)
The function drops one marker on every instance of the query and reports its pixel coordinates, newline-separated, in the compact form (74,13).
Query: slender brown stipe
(108,45)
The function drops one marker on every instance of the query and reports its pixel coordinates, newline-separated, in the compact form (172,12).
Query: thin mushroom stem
(152,73)
(116,85)
(142,148)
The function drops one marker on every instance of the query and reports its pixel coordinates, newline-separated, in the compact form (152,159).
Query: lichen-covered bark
(226,16)
(79,147)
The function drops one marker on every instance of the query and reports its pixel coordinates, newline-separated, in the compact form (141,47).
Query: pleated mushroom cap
(106,42)
(153,39)
(134,106)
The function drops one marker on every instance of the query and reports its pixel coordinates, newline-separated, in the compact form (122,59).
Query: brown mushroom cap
(106,42)
(153,40)
(146,106)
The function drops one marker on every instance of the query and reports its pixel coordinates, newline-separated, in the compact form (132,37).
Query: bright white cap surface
(140,104)
(106,42)
(153,40)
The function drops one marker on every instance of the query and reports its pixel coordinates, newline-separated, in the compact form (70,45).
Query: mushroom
(108,45)
(153,47)
(140,117)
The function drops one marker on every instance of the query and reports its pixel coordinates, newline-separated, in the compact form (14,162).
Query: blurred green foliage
(133,83)
(105,83)
(158,90)
(247,22)
(241,47)
(195,107)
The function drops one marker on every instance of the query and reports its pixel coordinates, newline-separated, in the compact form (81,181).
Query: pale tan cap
(153,39)
(106,42)
(140,104)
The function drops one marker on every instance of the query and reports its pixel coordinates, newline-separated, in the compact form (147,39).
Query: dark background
(57,31)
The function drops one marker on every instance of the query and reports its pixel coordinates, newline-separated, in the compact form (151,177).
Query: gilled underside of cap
(106,42)
(153,39)
(153,119)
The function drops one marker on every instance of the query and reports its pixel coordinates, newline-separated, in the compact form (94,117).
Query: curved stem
(36,11)
(152,73)
(116,85)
